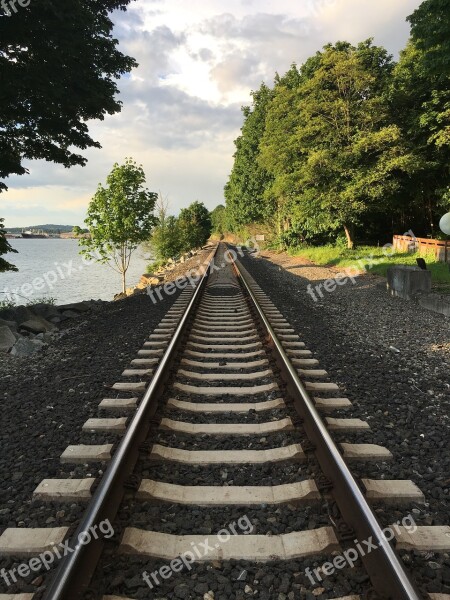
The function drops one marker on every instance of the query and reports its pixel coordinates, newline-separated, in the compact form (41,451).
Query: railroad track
(225,472)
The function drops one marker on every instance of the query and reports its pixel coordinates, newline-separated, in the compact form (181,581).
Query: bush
(7,304)
(43,300)
(154,266)
(194,225)
(166,240)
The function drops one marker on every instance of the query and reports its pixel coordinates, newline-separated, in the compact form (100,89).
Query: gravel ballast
(47,397)
(391,358)
(358,359)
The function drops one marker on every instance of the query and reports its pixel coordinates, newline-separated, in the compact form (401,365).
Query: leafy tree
(5,247)
(413,95)
(344,150)
(119,218)
(277,154)
(166,239)
(244,192)
(60,62)
(219,219)
(430,31)
(194,225)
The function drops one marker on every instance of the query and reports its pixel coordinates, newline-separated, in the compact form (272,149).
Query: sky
(198,63)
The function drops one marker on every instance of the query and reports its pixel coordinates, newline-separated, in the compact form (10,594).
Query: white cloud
(197,66)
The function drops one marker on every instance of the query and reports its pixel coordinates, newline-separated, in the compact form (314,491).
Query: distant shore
(52,236)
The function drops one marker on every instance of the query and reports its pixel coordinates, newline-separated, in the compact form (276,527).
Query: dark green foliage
(173,236)
(5,247)
(248,180)
(351,141)
(194,224)
(430,30)
(219,220)
(58,65)
(340,150)
(166,239)
(413,102)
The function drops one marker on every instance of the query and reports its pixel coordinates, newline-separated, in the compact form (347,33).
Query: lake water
(54,268)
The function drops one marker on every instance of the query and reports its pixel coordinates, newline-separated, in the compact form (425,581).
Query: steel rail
(387,573)
(73,574)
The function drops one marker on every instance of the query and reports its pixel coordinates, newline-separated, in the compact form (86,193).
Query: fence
(440,248)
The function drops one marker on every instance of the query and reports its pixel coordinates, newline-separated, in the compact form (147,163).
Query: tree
(5,247)
(194,225)
(344,151)
(119,218)
(430,31)
(412,97)
(166,237)
(60,62)
(244,191)
(219,219)
(277,154)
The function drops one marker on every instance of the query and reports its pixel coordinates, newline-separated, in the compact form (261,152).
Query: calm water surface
(53,268)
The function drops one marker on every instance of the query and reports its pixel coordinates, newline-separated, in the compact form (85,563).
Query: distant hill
(49,228)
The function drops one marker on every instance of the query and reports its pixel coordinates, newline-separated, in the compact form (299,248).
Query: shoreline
(28,329)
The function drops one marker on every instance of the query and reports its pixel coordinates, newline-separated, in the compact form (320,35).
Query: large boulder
(150,279)
(11,324)
(25,347)
(37,325)
(7,339)
(18,314)
(47,311)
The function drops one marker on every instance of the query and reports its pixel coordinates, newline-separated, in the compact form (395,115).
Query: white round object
(444,223)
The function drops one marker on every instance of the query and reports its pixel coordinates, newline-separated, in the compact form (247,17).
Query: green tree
(166,239)
(430,31)
(412,96)
(277,154)
(119,218)
(219,219)
(60,62)
(344,150)
(194,224)
(5,247)
(244,191)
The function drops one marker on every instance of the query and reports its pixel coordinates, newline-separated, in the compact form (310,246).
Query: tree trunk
(349,236)
(124,285)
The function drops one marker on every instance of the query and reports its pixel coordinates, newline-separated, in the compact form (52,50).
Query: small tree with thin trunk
(120,217)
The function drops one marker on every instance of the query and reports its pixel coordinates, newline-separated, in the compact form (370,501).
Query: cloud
(181,106)
(356,20)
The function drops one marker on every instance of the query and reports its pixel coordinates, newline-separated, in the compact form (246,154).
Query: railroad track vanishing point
(225,480)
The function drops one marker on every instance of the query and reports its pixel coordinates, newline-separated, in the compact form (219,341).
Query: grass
(375,260)
(155,265)
(7,304)
(43,300)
